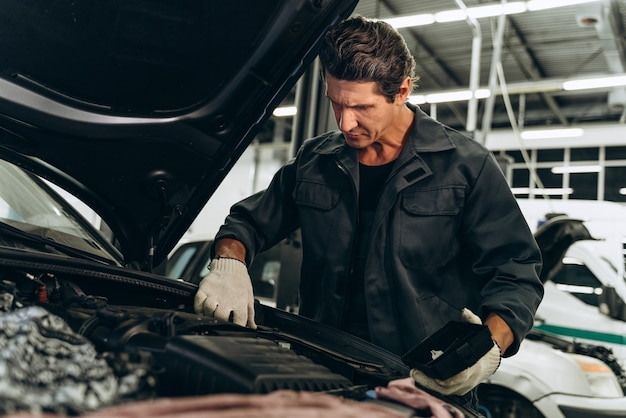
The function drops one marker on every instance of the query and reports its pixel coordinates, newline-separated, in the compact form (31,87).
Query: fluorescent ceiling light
(552,133)
(455,96)
(545,192)
(450,16)
(412,20)
(482,93)
(588,83)
(417,99)
(451,96)
(576,169)
(284,111)
(490,10)
(534,5)
(592,83)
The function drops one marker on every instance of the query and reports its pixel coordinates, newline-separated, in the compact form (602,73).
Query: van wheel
(499,402)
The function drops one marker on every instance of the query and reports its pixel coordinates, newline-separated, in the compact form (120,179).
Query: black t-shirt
(372,180)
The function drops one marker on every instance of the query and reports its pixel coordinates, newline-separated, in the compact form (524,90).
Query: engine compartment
(157,351)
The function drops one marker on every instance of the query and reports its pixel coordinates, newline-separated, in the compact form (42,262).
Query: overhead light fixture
(491,10)
(285,111)
(576,169)
(545,192)
(449,96)
(594,83)
(534,5)
(588,83)
(552,133)
(411,20)
(417,99)
(622,191)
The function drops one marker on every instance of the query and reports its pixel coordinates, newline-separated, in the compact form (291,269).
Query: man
(406,224)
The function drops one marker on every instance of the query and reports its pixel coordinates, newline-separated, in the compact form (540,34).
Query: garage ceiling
(538,50)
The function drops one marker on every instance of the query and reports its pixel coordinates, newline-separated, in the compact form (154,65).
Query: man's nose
(347,121)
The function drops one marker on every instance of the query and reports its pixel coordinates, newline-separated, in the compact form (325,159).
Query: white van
(563,368)
(584,287)
(592,270)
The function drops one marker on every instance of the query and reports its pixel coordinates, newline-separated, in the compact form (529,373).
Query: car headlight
(601,379)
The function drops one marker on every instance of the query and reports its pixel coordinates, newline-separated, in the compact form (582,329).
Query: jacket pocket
(428,225)
(322,216)
(316,195)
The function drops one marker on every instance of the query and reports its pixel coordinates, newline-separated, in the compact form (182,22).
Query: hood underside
(554,237)
(141,108)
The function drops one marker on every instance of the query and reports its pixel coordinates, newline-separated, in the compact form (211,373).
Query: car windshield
(34,217)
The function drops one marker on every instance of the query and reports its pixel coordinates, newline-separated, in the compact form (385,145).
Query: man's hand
(226,293)
(469,378)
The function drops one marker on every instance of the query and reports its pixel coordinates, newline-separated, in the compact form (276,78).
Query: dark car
(138,110)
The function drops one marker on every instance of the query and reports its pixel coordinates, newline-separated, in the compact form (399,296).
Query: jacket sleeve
(263,219)
(507,257)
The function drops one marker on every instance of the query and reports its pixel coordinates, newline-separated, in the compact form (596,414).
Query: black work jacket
(447,234)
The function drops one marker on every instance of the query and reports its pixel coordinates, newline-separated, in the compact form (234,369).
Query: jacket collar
(428,135)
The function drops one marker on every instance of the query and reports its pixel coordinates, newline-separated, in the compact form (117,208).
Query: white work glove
(226,289)
(466,380)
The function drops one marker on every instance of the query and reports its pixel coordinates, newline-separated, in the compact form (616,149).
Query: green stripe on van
(581,333)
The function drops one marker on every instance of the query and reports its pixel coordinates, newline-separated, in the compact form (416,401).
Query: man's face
(362,114)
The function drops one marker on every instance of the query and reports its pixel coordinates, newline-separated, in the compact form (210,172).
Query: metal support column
(493,78)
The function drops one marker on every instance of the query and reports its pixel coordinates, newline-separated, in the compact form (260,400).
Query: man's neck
(388,149)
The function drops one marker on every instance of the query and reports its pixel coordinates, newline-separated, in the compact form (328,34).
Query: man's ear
(405,90)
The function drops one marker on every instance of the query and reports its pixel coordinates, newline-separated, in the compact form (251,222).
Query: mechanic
(406,223)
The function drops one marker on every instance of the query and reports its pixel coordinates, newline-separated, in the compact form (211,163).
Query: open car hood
(139,108)
(554,237)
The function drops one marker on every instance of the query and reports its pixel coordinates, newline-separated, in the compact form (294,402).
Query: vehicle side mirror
(611,303)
